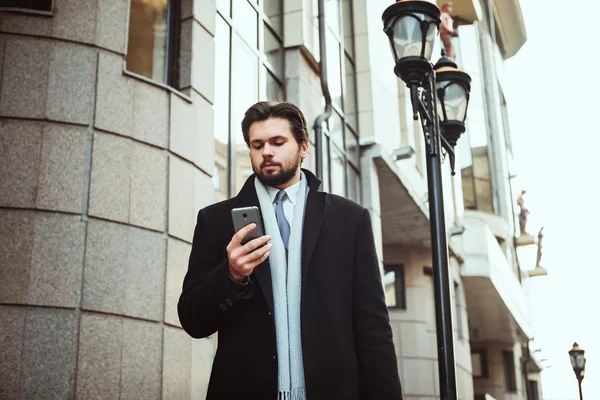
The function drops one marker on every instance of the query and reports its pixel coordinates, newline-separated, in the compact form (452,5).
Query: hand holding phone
(249,246)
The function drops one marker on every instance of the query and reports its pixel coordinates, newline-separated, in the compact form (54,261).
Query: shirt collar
(291,191)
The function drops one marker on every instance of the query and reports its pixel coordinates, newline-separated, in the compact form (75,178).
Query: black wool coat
(347,344)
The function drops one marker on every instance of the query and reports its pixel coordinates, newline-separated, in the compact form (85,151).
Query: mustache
(270,162)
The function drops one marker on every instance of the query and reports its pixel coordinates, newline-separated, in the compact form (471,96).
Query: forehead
(264,130)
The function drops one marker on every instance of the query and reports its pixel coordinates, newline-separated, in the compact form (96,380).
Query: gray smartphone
(244,216)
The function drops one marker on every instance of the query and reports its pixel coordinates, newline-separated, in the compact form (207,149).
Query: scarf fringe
(295,394)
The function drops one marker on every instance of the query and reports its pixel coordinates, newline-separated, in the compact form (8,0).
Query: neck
(291,182)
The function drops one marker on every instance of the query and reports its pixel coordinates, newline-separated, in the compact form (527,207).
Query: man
(300,311)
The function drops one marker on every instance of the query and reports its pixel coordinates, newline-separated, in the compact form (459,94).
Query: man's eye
(258,147)
(279,143)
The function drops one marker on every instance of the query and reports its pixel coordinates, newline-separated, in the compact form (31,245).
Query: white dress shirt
(290,200)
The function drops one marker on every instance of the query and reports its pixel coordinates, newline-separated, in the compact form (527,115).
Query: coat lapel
(313,218)
(262,272)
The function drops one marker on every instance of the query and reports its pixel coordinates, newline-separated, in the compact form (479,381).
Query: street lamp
(439,95)
(578,362)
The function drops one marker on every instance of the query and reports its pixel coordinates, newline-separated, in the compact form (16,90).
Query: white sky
(554,85)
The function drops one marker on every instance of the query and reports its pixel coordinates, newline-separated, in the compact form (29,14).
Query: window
(510,379)
(430,301)
(249,61)
(479,363)
(153,43)
(340,152)
(458,312)
(533,390)
(36,5)
(395,286)
(473,157)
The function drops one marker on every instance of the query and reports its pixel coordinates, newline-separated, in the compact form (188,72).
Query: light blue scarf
(287,284)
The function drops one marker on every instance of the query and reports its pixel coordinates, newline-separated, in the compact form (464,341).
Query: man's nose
(267,150)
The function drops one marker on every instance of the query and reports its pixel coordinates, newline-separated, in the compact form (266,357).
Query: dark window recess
(38,5)
(510,379)
(533,390)
(153,45)
(479,363)
(399,284)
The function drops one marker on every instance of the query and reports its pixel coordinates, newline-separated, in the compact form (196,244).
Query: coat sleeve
(208,300)
(379,379)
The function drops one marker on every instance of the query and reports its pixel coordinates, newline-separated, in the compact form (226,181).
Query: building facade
(120,119)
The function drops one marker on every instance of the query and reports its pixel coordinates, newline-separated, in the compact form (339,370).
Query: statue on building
(447,31)
(539,246)
(523,214)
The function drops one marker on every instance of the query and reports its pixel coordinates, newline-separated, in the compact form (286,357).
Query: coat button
(270,313)
(229,302)
(223,306)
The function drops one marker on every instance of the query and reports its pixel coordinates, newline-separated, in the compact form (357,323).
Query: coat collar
(313,218)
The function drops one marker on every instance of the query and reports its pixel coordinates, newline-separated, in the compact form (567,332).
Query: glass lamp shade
(453,102)
(577,358)
(452,89)
(407,37)
(411,27)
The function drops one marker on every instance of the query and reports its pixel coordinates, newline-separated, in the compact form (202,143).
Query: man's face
(274,152)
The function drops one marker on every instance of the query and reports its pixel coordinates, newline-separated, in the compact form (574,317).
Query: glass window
(326,172)
(332,15)
(352,149)
(350,109)
(394,282)
(334,68)
(510,379)
(348,25)
(338,176)
(244,93)
(479,363)
(38,5)
(221,111)
(273,50)
(246,21)
(341,159)
(336,129)
(148,43)
(353,184)
(243,75)
(274,89)
(224,6)
(273,11)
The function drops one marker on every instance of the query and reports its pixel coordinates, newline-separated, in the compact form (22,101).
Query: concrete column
(103,173)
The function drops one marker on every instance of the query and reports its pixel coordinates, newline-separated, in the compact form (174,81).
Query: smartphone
(244,216)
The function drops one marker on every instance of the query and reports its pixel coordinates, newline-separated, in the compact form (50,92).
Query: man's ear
(304,149)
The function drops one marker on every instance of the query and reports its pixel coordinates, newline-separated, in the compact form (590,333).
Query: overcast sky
(553,105)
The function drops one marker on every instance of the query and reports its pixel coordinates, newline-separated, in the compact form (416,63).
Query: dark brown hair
(264,110)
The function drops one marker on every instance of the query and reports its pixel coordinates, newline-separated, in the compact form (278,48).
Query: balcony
(496,302)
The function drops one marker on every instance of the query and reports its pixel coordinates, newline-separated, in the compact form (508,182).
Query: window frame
(510,373)
(173,47)
(483,362)
(399,284)
(258,50)
(345,53)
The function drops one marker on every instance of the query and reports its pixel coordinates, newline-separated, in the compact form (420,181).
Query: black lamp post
(578,363)
(440,95)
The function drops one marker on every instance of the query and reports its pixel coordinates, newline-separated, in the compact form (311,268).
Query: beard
(282,175)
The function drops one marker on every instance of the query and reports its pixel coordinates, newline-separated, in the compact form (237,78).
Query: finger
(241,234)
(253,264)
(250,257)
(255,243)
